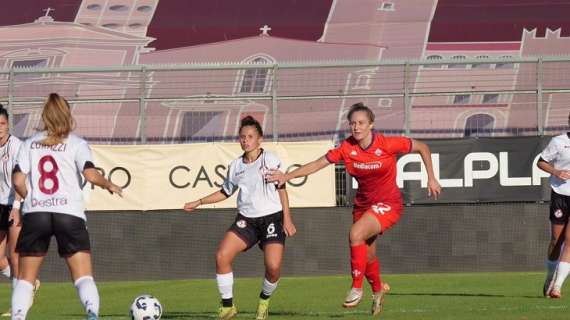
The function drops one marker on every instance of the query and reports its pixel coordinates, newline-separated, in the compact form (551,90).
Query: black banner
(477,170)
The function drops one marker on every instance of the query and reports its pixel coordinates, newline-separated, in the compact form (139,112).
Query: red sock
(358,264)
(373,275)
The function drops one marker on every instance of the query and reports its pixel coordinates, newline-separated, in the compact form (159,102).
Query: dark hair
(3,112)
(360,107)
(250,121)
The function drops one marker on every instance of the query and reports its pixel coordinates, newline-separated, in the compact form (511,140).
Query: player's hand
(562,174)
(289,227)
(113,188)
(190,206)
(434,188)
(15,217)
(276,176)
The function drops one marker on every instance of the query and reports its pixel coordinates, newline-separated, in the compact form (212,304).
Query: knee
(370,256)
(223,257)
(355,236)
(272,273)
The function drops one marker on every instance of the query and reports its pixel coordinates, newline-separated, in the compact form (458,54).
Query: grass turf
(413,296)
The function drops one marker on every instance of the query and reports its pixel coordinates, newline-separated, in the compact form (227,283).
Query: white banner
(156,177)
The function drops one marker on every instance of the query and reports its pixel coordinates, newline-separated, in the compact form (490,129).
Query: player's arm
(93,176)
(546,166)
(434,188)
(19,181)
(304,170)
(211,198)
(288,225)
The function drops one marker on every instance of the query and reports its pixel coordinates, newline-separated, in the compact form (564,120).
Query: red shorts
(386,214)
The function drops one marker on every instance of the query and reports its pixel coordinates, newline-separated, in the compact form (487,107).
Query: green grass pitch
(503,296)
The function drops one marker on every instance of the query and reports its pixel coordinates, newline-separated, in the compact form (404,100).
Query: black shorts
(38,227)
(5,221)
(559,208)
(266,229)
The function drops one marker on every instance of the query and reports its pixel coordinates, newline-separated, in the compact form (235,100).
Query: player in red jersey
(370,158)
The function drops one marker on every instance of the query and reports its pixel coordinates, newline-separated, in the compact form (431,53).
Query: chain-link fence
(298,101)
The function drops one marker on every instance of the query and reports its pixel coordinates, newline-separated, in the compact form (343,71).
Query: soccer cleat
(262,309)
(226,313)
(353,298)
(547,287)
(378,300)
(91,316)
(7,313)
(555,293)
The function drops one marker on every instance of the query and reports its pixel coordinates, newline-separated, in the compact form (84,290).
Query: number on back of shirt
(48,175)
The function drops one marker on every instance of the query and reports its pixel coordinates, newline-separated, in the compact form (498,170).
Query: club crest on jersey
(558,213)
(241,224)
(353,153)
(378,152)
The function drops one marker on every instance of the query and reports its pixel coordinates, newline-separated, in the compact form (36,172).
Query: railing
(298,101)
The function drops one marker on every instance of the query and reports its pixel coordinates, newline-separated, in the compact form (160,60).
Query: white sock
(21,299)
(88,294)
(225,284)
(6,272)
(550,268)
(561,273)
(267,287)
(14,283)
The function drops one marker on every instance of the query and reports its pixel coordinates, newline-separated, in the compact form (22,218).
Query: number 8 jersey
(54,174)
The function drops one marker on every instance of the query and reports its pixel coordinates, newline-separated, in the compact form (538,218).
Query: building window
(505,65)
(461,99)
(481,65)
(144,9)
(194,121)
(363,81)
(94,7)
(37,63)
(111,25)
(255,80)
(119,8)
(479,125)
(490,99)
(457,65)
(387,6)
(385,103)
(433,57)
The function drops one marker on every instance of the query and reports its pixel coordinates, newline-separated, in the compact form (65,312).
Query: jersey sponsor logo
(378,152)
(241,224)
(368,166)
(558,213)
(239,173)
(381,208)
(48,203)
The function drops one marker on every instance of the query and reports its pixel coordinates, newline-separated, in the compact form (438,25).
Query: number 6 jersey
(54,174)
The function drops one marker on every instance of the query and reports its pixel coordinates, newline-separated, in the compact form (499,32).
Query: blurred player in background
(555,159)
(47,176)
(10,203)
(263,217)
(370,158)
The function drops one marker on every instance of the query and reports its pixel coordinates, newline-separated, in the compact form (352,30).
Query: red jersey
(373,167)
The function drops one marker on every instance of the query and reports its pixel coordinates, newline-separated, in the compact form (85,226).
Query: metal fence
(298,101)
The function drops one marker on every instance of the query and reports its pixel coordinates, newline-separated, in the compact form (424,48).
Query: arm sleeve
(335,155)
(23,158)
(550,152)
(398,145)
(83,155)
(229,186)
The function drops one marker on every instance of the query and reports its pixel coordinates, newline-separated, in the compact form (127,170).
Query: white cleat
(353,298)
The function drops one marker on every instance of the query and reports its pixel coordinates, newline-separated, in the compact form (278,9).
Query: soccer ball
(146,307)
